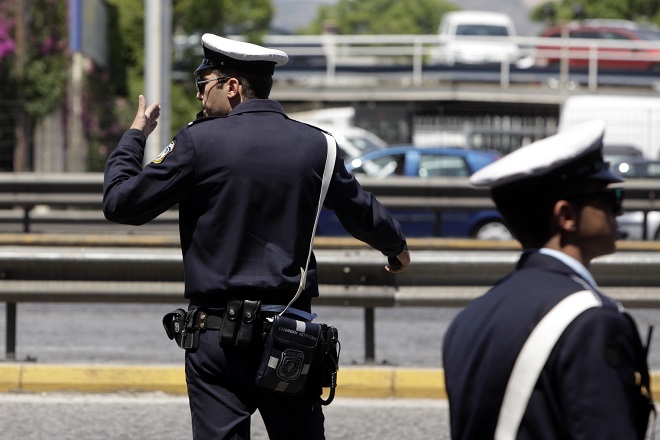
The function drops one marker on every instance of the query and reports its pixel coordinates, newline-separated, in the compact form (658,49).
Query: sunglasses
(612,196)
(201,84)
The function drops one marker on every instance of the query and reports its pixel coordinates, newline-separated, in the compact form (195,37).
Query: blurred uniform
(593,382)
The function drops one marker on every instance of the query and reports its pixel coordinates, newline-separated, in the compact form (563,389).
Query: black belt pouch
(288,355)
(231,321)
(249,324)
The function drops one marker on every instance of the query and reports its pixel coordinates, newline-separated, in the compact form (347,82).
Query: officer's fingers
(393,269)
(404,258)
(142,103)
(399,263)
(153,112)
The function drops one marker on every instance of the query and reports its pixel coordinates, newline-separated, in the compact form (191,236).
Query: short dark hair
(530,222)
(527,206)
(255,86)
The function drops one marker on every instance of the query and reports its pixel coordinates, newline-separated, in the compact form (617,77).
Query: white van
(476,37)
(632,122)
(352,141)
(629,120)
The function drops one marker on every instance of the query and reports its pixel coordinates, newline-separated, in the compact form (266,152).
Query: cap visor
(607,176)
(202,66)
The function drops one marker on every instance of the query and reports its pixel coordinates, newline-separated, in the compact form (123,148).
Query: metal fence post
(10,341)
(369,335)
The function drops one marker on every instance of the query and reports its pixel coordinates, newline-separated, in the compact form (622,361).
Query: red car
(622,47)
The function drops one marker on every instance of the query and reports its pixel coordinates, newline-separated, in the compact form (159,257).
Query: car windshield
(380,167)
(648,34)
(482,30)
(363,144)
(442,166)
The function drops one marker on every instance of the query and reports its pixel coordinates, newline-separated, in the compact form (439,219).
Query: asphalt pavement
(89,343)
(127,416)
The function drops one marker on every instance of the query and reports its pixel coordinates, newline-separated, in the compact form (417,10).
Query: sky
(293,14)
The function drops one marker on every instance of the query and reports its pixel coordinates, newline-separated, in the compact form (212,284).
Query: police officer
(544,354)
(247,180)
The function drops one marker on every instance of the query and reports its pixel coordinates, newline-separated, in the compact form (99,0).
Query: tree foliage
(42,81)
(381,17)
(250,18)
(643,11)
(33,71)
(110,94)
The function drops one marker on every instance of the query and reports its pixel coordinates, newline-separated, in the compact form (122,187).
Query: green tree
(250,18)
(381,17)
(126,76)
(33,73)
(34,69)
(646,11)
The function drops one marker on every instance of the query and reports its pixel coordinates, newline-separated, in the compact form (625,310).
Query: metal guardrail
(20,193)
(33,271)
(149,270)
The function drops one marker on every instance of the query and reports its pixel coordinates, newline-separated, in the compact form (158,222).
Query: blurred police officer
(544,354)
(247,180)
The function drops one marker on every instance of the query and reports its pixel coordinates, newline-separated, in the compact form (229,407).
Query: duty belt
(239,324)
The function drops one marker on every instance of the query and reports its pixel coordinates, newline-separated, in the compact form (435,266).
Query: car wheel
(493,231)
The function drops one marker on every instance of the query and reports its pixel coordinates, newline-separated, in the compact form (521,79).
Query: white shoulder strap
(325,183)
(532,359)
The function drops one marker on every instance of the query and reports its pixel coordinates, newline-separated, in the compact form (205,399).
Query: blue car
(425,163)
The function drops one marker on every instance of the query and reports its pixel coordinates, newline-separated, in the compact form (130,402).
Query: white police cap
(571,155)
(241,56)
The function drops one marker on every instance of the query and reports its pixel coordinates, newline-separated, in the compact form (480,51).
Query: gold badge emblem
(167,150)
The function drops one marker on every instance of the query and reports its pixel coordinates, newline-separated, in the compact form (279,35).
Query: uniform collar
(571,262)
(257,105)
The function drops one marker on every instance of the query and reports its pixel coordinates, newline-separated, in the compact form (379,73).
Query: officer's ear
(566,216)
(233,88)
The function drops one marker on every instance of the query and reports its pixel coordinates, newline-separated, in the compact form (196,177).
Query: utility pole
(157,69)
(76,152)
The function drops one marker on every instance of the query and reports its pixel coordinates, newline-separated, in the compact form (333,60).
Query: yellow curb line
(352,381)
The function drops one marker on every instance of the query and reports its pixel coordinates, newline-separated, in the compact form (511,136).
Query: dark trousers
(223,396)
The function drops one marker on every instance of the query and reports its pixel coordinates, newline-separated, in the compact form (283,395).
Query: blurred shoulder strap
(532,359)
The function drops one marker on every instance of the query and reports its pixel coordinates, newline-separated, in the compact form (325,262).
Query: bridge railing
(409,58)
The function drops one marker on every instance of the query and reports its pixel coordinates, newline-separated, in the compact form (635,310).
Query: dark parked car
(616,154)
(638,168)
(631,222)
(414,162)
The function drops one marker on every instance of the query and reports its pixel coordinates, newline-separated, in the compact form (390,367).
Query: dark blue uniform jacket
(591,386)
(247,186)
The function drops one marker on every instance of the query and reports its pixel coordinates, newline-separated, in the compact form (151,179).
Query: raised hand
(146,119)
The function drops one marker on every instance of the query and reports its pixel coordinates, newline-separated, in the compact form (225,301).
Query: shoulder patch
(167,150)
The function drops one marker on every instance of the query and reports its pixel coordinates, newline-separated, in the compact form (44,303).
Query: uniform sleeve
(600,365)
(361,214)
(135,195)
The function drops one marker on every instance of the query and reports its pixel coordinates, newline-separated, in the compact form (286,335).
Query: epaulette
(310,125)
(203,119)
